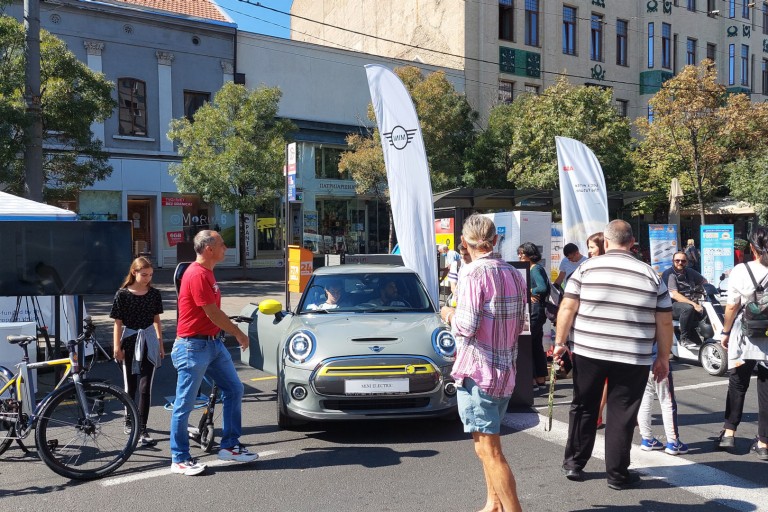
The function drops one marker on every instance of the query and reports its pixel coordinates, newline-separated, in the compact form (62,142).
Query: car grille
(422,375)
(374,403)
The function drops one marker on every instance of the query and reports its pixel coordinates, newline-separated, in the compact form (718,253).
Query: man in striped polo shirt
(618,307)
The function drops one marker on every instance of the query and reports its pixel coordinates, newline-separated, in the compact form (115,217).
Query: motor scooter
(710,354)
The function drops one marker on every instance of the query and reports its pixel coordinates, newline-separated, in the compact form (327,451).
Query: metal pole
(33,153)
(287,225)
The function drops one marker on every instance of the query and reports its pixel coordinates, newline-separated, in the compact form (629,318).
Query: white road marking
(705,481)
(723,382)
(166,471)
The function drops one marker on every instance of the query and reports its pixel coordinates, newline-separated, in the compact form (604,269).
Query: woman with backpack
(529,253)
(744,336)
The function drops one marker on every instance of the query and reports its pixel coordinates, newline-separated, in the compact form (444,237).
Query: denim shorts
(480,412)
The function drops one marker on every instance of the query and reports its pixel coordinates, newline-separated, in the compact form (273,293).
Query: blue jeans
(192,359)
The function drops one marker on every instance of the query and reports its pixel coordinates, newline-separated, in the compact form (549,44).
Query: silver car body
(366,361)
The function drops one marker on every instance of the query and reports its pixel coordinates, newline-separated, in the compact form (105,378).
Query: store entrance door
(140,216)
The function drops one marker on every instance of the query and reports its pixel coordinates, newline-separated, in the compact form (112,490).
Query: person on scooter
(681,281)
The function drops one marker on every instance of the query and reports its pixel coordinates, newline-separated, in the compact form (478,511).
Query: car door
(265,336)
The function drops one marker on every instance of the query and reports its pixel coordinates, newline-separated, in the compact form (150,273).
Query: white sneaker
(189,468)
(237,453)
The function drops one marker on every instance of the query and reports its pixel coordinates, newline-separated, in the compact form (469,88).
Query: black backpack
(754,320)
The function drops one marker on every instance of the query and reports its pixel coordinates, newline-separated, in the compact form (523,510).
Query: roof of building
(206,9)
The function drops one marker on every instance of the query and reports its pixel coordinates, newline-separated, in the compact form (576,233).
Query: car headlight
(443,343)
(301,346)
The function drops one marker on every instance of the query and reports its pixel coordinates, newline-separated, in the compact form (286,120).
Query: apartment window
(533,89)
(745,4)
(132,94)
(711,7)
(731,8)
(596,44)
(650,114)
(690,52)
(765,77)
(327,163)
(666,45)
(650,45)
(622,107)
(744,64)
(674,53)
(506,20)
(711,51)
(691,5)
(506,89)
(193,101)
(569,30)
(765,18)
(622,32)
(532,22)
(731,64)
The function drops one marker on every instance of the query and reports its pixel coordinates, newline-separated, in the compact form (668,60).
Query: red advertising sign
(175,237)
(176,201)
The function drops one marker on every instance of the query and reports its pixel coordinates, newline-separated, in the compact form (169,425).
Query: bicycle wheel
(86,448)
(207,429)
(7,423)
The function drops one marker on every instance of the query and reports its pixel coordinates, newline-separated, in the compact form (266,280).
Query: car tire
(284,421)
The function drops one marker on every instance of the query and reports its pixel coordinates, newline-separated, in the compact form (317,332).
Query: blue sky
(251,18)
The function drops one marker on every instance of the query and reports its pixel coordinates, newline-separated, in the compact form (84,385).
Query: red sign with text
(175,237)
(176,201)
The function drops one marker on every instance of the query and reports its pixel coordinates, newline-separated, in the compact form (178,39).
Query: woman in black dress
(138,337)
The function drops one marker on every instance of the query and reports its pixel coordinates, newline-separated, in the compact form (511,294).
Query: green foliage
(748,181)
(519,143)
(234,151)
(72,98)
(697,129)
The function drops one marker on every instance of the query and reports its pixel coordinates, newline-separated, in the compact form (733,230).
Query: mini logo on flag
(399,137)
(567,167)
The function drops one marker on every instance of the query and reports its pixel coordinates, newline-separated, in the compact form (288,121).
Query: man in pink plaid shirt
(486,322)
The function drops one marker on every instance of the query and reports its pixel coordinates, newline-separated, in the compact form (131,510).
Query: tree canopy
(72,98)
(518,147)
(697,128)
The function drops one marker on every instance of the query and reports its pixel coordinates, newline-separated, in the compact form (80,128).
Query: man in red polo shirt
(198,350)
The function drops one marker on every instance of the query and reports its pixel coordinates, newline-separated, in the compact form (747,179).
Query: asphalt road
(396,465)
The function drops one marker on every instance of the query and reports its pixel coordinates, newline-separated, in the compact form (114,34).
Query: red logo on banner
(176,201)
(567,167)
(175,237)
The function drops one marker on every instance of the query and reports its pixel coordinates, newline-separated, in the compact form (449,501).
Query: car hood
(354,334)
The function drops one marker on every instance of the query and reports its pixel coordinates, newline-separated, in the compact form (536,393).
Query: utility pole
(33,153)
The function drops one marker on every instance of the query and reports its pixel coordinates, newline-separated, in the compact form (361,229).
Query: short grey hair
(619,232)
(479,231)
(204,239)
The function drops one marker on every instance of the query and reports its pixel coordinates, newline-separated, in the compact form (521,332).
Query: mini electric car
(364,342)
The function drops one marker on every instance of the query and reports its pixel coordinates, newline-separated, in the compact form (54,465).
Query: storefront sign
(663,242)
(337,187)
(176,201)
(250,253)
(175,237)
(716,251)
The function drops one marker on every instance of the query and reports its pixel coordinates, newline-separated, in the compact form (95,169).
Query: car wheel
(714,359)
(283,420)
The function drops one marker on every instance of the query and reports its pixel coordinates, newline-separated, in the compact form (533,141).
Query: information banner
(556,250)
(299,268)
(716,251)
(663,245)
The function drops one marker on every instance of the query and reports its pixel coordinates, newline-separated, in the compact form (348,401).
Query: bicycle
(84,429)
(205,433)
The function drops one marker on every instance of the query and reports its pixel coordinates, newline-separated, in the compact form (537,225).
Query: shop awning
(480,198)
(725,206)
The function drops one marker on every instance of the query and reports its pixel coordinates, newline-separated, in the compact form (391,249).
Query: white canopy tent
(17,208)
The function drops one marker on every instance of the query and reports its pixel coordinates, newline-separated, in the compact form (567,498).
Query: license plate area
(376,386)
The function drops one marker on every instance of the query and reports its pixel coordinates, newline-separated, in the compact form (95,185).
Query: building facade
(509,47)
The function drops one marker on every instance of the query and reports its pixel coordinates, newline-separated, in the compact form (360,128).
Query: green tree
(447,124)
(72,98)
(748,181)
(697,128)
(519,143)
(234,151)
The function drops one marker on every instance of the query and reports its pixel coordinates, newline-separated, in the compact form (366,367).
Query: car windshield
(377,292)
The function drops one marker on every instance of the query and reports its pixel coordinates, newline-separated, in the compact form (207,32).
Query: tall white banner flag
(583,198)
(410,191)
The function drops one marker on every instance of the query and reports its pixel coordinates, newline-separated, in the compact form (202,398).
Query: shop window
(327,164)
(132,94)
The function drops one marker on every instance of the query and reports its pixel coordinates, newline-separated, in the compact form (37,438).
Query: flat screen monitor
(39,258)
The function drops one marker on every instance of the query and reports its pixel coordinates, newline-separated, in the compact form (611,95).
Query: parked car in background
(364,342)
